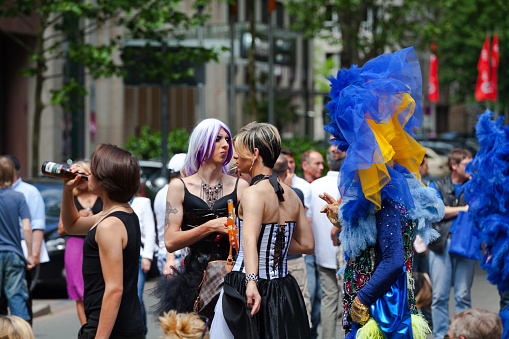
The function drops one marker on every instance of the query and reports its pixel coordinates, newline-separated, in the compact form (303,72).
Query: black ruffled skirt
(282,311)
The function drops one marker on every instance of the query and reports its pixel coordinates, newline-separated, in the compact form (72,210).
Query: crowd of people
(310,250)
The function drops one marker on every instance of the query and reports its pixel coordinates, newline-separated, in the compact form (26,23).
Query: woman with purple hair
(196,213)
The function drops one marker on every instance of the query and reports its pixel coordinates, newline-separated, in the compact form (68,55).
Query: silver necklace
(211,193)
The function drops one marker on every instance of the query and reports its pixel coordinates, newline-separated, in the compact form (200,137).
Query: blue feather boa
(356,236)
(487,194)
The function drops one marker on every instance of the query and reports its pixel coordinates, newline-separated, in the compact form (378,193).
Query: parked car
(51,273)
(151,178)
(437,164)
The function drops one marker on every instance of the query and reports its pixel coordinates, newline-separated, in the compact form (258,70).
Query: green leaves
(148,144)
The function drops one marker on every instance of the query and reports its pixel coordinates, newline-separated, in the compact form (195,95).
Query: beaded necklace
(211,193)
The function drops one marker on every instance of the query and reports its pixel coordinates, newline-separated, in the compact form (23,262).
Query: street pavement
(62,321)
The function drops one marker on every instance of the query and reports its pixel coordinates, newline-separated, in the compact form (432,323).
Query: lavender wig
(201,145)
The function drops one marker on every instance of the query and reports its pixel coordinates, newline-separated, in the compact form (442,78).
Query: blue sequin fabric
(371,274)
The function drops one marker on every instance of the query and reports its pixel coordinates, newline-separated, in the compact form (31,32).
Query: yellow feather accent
(370,330)
(420,326)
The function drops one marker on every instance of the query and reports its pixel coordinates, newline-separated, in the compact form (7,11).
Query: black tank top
(129,320)
(215,246)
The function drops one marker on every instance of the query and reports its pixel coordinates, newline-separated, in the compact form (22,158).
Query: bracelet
(251,277)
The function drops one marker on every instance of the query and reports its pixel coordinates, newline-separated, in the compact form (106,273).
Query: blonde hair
(6,172)
(13,327)
(182,326)
(263,136)
(85,164)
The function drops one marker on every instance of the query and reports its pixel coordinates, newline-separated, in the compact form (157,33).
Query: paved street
(62,322)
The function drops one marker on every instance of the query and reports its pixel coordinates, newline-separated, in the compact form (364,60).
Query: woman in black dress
(196,211)
(112,245)
(260,299)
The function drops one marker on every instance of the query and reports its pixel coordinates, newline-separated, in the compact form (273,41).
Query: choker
(273,181)
(257,178)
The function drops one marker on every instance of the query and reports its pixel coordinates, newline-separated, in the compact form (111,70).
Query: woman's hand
(71,184)
(253,297)
(329,199)
(360,313)
(331,209)
(218,225)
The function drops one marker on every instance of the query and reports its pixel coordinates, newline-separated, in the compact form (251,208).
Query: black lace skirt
(282,311)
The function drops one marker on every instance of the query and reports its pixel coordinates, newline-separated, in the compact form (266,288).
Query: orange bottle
(232,230)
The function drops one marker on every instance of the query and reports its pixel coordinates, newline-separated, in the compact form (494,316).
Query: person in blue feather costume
(487,194)
(374,110)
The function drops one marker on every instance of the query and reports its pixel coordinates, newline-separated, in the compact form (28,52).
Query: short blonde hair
(13,327)
(183,326)
(259,135)
(6,172)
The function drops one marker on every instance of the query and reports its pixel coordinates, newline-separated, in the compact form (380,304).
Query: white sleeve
(37,211)
(148,228)
(160,210)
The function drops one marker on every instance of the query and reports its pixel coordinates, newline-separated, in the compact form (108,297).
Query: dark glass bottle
(61,171)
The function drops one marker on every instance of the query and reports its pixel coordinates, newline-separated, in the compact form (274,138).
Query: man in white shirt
(295,181)
(166,260)
(329,256)
(315,292)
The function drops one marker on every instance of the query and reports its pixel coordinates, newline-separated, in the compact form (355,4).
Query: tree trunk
(252,102)
(39,105)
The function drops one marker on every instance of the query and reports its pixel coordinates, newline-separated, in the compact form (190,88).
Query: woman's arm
(72,222)
(390,240)
(302,240)
(111,237)
(174,238)
(252,214)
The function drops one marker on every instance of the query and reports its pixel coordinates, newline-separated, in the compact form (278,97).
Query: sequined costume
(374,110)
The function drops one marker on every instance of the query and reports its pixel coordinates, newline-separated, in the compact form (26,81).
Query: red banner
(433,79)
(483,87)
(271,5)
(494,66)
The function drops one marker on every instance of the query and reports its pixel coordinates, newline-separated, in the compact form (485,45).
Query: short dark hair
(306,155)
(15,161)
(287,151)
(116,171)
(334,164)
(281,165)
(457,155)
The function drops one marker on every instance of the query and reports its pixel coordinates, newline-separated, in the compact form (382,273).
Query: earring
(250,168)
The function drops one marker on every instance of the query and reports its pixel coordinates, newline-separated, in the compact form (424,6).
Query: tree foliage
(63,32)
(364,28)
(148,145)
(459,28)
